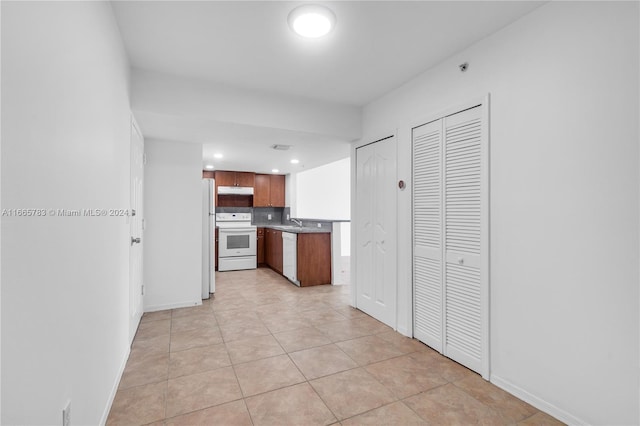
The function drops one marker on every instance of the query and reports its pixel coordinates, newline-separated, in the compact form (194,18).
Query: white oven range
(236,242)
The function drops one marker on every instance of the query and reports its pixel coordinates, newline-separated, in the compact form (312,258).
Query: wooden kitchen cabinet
(269,191)
(245,179)
(313,253)
(277,190)
(224,179)
(262,191)
(260,245)
(314,259)
(227,178)
(273,249)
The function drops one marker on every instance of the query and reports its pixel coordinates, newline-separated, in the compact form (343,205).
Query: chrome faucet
(297,222)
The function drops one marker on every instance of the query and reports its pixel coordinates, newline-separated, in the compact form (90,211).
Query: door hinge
(142,290)
(144,159)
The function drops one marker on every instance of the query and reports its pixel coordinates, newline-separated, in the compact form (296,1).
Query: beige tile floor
(265,352)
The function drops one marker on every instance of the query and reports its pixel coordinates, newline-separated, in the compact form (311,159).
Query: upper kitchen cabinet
(234,179)
(224,178)
(269,191)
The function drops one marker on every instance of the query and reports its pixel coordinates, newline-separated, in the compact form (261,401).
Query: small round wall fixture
(312,20)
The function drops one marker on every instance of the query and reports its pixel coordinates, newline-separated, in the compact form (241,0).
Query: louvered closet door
(450,237)
(427,235)
(463,217)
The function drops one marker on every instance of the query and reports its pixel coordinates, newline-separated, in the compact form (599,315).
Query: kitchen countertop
(296,229)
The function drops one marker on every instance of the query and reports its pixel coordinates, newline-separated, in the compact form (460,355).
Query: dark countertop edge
(323,220)
(302,230)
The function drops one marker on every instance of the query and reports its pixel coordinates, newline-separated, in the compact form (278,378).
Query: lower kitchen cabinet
(273,249)
(260,245)
(314,259)
(313,256)
(216,256)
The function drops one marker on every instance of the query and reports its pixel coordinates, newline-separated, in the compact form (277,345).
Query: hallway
(265,352)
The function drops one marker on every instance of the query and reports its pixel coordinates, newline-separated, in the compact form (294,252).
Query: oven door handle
(227,231)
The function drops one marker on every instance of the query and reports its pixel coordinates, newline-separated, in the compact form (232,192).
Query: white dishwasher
(290,257)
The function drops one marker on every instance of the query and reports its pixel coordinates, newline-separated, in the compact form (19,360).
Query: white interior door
(136,227)
(376,230)
(450,224)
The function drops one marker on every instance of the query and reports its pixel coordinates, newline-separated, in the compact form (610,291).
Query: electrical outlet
(287,217)
(268,217)
(319,225)
(66,415)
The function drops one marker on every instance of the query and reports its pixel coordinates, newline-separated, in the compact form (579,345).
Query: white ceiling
(375,47)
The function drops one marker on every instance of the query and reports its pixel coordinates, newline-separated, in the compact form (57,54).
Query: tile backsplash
(234,209)
(261,215)
(278,216)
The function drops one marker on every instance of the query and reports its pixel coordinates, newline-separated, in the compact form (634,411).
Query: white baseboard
(114,389)
(537,402)
(154,308)
(404,331)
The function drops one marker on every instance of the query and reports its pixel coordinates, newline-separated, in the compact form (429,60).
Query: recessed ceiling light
(294,161)
(311,20)
(274,170)
(209,167)
(217,155)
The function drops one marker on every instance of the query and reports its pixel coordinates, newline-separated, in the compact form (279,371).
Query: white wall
(324,192)
(345,240)
(173,225)
(65,145)
(564,201)
(173,96)
(290,186)
(0,219)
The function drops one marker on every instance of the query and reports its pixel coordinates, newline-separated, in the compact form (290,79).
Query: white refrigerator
(208,238)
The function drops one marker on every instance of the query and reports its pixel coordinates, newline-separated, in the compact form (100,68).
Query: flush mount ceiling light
(209,167)
(217,155)
(311,20)
(274,170)
(294,161)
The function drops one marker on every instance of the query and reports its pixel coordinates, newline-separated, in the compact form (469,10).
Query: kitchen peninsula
(303,255)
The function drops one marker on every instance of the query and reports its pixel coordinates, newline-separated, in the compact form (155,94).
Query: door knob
(135,240)
(461,260)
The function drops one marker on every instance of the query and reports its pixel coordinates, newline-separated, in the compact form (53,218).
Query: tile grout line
(166,389)
(370,332)
(302,374)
